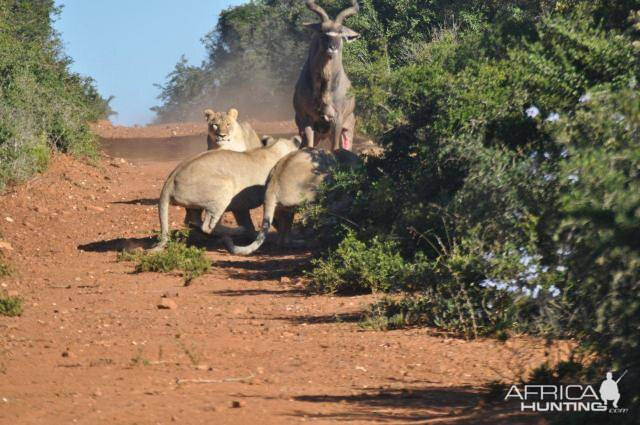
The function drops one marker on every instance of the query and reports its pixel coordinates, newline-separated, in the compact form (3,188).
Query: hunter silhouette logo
(569,398)
(609,389)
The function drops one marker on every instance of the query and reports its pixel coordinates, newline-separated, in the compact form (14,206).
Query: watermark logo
(569,398)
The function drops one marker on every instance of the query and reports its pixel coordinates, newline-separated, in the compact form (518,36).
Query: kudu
(324,108)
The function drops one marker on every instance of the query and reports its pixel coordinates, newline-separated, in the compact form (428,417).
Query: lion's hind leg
(193,218)
(219,198)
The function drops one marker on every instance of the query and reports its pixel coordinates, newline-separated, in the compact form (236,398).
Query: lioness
(218,181)
(225,132)
(294,180)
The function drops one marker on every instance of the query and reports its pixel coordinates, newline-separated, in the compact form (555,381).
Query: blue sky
(128,45)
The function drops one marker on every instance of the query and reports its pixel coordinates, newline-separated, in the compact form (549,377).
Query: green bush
(471,172)
(599,232)
(356,267)
(43,106)
(177,256)
(10,306)
(5,269)
(509,182)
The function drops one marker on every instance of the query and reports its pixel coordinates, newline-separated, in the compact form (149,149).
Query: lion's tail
(269,211)
(163,212)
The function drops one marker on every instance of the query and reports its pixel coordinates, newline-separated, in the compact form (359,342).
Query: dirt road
(245,345)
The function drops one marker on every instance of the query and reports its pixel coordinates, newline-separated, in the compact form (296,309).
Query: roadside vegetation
(5,269)
(10,306)
(43,106)
(177,256)
(508,196)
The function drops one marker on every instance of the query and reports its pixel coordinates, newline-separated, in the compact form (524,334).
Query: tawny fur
(226,132)
(217,181)
(293,181)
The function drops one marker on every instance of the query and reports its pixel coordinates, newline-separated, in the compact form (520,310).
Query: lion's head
(221,124)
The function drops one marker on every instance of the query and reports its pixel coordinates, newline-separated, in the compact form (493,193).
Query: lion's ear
(267,140)
(209,114)
(233,113)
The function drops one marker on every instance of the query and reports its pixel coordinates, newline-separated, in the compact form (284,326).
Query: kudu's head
(331,33)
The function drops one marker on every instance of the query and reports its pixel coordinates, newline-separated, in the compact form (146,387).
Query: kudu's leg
(337,134)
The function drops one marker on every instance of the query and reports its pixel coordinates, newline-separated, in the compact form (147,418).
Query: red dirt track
(245,345)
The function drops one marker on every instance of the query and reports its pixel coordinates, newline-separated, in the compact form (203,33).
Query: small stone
(202,367)
(97,393)
(171,294)
(285,279)
(94,208)
(66,354)
(235,404)
(9,219)
(167,304)
(41,210)
(5,246)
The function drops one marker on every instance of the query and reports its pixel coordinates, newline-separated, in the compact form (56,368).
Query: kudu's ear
(315,26)
(233,113)
(349,35)
(297,140)
(209,114)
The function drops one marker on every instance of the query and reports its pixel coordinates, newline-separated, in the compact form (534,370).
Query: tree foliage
(254,55)
(43,105)
(510,175)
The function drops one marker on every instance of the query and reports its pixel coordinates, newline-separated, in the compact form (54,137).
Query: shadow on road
(141,201)
(130,244)
(254,292)
(451,405)
(119,244)
(272,268)
(323,319)
(261,268)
